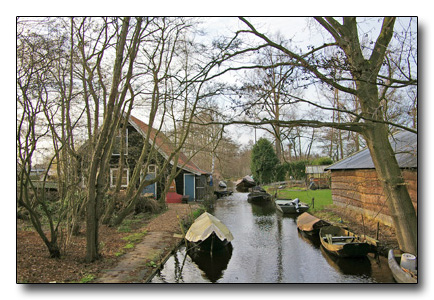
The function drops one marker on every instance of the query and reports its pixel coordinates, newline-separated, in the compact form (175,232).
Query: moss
(87,278)
(129,246)
(135,237)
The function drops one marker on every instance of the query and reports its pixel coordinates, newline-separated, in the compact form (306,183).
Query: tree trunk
(91,225)
(387,168)
(398,199)
(102,150)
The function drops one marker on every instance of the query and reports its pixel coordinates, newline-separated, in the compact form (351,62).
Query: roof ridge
(164,145)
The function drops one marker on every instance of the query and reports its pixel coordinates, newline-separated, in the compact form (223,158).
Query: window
(152,172)
(117,143)
(114,175)
(152,169)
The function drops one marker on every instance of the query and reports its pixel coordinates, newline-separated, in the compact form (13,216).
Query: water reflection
(310,239)
(263,209)
(212,264)
(268,248)
(349,265)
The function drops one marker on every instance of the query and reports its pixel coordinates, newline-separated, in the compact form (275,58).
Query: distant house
(355,185)
(191,180)
(37,172)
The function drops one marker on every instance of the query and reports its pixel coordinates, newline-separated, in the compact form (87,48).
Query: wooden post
(378,231)
(313,202)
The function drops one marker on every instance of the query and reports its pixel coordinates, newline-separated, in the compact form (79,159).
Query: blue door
(189,185)
(152,188)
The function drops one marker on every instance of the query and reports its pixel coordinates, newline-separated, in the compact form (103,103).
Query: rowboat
(310,224)
(220,194)
(342,243)
(258,194)
(222,185)
(245,183)
(401,275)
(208,233)
(291,206)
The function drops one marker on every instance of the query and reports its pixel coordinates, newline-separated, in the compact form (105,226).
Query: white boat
(399,274)
(291,206)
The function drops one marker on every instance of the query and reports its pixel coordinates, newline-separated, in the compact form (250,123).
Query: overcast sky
(222,7)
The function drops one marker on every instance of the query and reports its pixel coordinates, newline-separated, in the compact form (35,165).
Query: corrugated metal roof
(315,169)
(403,143)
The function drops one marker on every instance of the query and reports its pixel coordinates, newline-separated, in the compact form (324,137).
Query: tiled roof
(403,143)
(164,146)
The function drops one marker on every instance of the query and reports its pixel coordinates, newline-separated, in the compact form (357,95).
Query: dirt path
(163,236)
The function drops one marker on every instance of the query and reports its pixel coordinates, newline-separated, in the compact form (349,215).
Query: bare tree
(361,74)
(364,70)
(39,56)
(113,99)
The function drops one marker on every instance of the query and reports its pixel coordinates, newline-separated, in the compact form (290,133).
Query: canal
(267,248)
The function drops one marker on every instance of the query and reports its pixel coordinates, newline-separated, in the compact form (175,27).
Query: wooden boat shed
(355,185)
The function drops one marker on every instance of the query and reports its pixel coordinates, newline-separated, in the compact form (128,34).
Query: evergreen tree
(264,161)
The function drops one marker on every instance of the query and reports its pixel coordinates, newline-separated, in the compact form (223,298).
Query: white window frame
(155,167)
(112,183)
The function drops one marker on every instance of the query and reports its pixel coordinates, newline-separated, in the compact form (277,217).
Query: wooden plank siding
(361,190)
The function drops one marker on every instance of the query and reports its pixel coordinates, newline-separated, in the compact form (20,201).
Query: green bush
(263,161)
(322,161)
(297,169)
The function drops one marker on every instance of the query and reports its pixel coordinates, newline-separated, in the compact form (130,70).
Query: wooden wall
(361,190)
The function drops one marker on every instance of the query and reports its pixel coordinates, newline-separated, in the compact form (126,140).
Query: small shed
(355,185)
(317,177)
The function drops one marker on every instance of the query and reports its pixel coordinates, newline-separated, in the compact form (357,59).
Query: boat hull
(309,224)
(338,242)
(211,244)
(398,273)
(221,194)
(244,184)
(208,233)
(287,207)
(258,197)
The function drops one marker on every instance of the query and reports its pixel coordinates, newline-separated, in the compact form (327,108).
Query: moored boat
(400,274)
(208,233)
(222,185)
(310,224)
(342,243)
(291,206)
(258,194)
(245,183)
(220,194)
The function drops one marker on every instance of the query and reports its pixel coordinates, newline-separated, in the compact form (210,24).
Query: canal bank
(163,242)
(163,236)
(360,225)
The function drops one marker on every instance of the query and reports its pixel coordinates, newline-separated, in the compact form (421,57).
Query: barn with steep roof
(191,181)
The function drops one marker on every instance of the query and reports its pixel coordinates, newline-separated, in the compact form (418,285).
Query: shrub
(322,161)
(263,161)
(297,169)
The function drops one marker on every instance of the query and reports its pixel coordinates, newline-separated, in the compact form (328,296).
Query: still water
(267,248)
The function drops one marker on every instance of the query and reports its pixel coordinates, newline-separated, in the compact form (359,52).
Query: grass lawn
(322,197)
